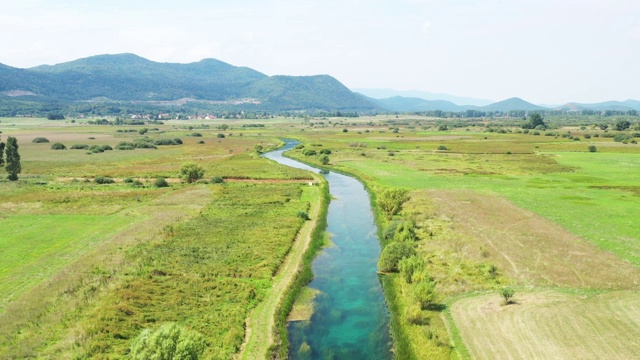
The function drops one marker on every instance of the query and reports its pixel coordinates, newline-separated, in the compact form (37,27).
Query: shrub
(409,266)
(103,180)
(416,316)
(345,130)
(442,147)
(393,253)
(160,182)
(96,149)
(309,152)
(592,148)
(325,151)
(425,293)
(58,146)
(216,180)
(201,142)
(195,134)
(40,140)
(220,136)
(621,137)
(324,159)
(128,180)
(391,200)
(170,341)
(405,231)
(167,142)
(144,143)
(125,145)
(106,147)
(299,146)
(587,136)
(177,141)
(507,294)
(191,172)
(303,215)
(79,147)
(390,231)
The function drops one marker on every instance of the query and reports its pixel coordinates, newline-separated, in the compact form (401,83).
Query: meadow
(496,207)
(86,266)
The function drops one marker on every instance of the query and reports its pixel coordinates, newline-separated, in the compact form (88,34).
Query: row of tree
(10,158)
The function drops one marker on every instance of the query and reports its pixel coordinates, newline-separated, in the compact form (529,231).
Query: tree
(391,200)
(410,265)
(258,148)
(191,172)
(622,125)
(1,154)
(592,148)
(12,166)
(168,342)
(324,159)
(535,120)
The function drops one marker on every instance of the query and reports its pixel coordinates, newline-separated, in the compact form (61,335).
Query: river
(351,320)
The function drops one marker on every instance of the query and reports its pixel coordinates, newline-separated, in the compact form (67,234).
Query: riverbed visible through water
(350,318)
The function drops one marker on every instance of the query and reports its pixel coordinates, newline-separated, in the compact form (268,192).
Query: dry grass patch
(527,247)
(551,325)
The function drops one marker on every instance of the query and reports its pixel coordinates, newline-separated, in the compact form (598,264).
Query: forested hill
(128,77)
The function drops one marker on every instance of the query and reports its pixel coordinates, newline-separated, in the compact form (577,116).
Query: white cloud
(426,27)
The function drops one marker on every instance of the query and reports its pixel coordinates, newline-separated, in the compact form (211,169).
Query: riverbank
(263,327)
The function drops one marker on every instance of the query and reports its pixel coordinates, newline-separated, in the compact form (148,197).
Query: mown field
(495,207)
(86,267)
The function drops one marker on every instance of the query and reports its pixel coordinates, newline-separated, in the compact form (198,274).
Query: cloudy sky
(545,51)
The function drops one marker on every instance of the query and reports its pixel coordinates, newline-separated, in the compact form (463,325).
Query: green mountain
(131,78)
(512,104)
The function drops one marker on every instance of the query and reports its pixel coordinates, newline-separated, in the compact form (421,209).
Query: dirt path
(260,324)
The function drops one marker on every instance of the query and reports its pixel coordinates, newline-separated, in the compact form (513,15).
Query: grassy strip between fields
(261,324)
(280,349)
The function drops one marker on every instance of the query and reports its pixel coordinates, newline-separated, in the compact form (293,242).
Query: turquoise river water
(351,320)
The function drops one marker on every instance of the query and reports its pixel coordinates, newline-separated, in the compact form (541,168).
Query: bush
(345,130)
(106,147)
(128,180)
(177,141)
(201,142)
(125,145)
(160,182)
(325,151)
(409,266)
(507,294)
(592,148)
(170,341)
(103,180)
(390,231)
(216,180)
(391,200)
(299,146)
(416,316)
(96,149)
(220,136)
(40,140)
(425,293)
(79,147)
(309,152)
(324,159)
(442,147)
(167,142)
(303,215)
(191,172)
(587,136)
(195,134)
(58,146)
(393,253)
(621,137)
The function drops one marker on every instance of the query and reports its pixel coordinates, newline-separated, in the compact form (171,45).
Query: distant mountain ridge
(128,77)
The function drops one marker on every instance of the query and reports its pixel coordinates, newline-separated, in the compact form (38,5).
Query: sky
(544,51)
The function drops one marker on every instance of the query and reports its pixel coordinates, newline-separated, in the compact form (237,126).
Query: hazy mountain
(607,105)
(511,105)
(128,77)
(401,104)
(388,93)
